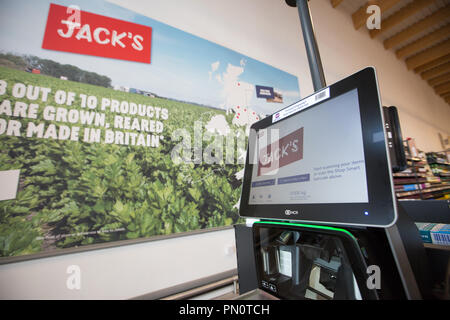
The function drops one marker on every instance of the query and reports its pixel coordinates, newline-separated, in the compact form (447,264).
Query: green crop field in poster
(104,145)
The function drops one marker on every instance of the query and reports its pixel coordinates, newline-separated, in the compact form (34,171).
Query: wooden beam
(424,24)
(446,96)
(424,42)
(428,55)
(360,16)
(435,72)
(432,64)
(402,14)
(442,88)
(439,79)
(335,3)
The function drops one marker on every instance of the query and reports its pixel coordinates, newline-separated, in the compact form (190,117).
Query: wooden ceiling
(418,31)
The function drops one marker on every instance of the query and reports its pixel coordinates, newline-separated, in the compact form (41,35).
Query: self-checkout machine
(318,188)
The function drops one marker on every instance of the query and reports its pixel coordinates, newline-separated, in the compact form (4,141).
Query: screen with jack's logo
(315,156)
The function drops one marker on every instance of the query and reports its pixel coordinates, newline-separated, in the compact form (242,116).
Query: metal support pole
(312,50)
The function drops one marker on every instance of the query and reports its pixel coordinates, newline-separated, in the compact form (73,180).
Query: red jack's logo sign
(281,153)
(71,30)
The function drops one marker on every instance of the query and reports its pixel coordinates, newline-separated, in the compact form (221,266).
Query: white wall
(121,272)
(267,30)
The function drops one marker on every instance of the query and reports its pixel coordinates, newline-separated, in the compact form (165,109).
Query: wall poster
(114,126)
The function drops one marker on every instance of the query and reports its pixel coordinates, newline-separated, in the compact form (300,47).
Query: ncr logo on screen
(280,153)
(70,29)
(290,212)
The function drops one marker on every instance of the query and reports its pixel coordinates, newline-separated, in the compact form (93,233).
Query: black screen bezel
(380,211)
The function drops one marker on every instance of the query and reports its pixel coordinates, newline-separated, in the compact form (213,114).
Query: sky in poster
(183,66)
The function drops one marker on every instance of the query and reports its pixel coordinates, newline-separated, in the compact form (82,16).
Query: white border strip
(302,104)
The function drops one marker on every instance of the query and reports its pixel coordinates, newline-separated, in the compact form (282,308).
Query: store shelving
(427,176)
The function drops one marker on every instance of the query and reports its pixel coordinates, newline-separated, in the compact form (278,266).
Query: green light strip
(308,226)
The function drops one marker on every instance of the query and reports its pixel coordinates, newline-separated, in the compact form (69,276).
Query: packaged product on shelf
(424,230)
(440,234)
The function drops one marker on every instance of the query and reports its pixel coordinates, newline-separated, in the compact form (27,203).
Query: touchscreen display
(315,156)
